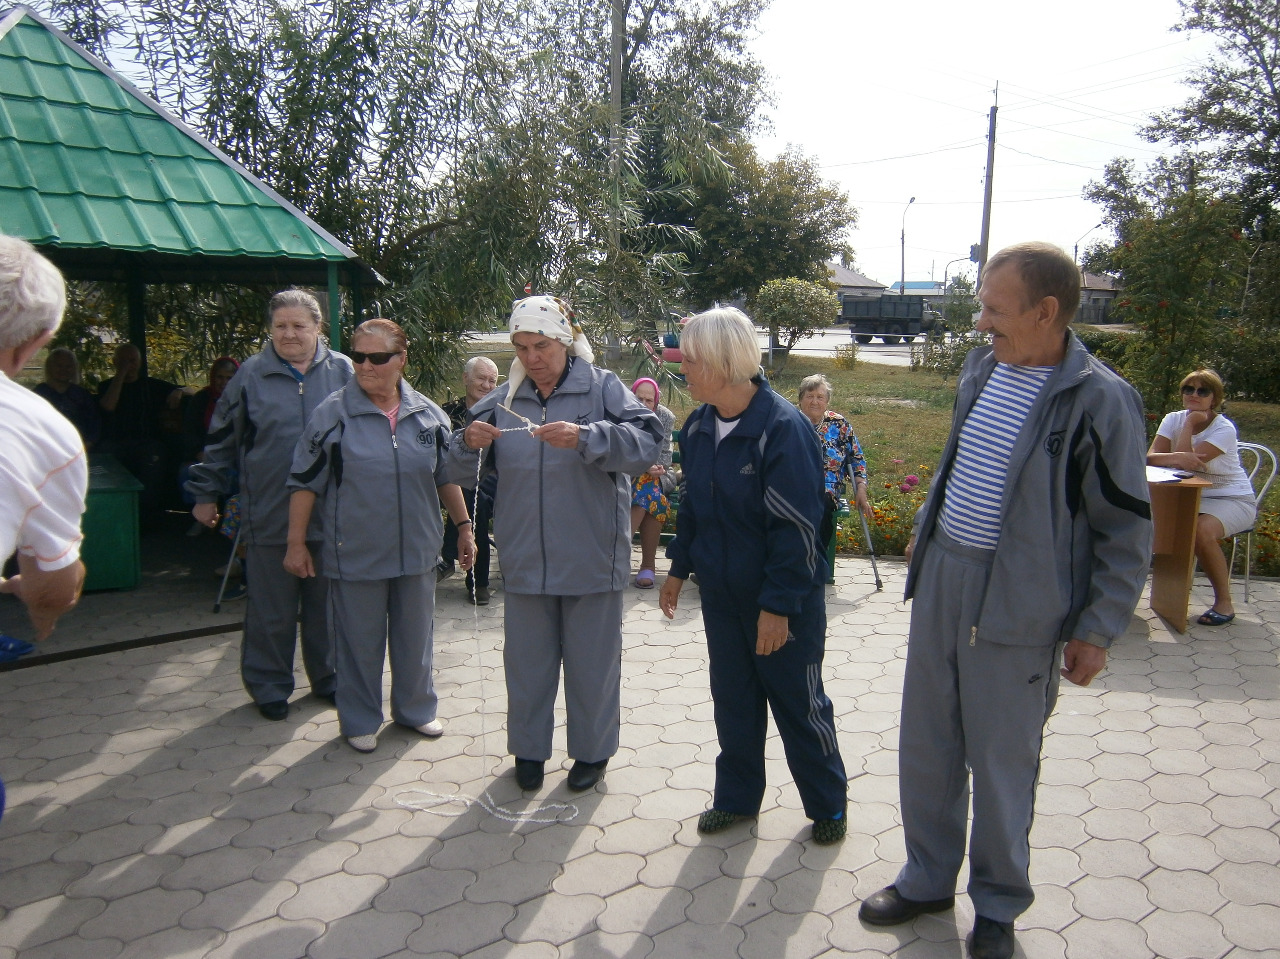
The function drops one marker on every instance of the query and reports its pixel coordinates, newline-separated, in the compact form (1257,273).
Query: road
(821,344)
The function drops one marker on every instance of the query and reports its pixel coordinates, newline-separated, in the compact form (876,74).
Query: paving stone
(644,909)
(554,918)
(1117,898)
(518,882)
(239,904)
(801,936)
(271,937)
(107,843)
(197,836)
(1246,844)
(1183,890)
(172,943)
(124,876)
(731,900)
(38,880)
(49,920)
(1242,811)
(305,861)
(332,897)
(1180,819)
(1092,938)
(1185,935)
(1183,852)
(1178,789)
(1054,909)
(598,873)
(1250,883)
(369,934)
(695,939)
(1250,926)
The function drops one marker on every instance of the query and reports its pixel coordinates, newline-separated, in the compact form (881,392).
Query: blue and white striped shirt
(975,487)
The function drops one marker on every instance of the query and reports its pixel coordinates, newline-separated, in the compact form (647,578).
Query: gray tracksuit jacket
(378,499)
(1075,526)
(255,427)
(562,518)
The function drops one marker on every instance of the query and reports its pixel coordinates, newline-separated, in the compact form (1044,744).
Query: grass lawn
(902,417)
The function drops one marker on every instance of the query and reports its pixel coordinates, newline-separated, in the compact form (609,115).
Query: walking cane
(217,603)
(866,535)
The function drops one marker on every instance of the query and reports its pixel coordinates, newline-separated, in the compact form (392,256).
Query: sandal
(1212,617)
(827,832)
(644,579)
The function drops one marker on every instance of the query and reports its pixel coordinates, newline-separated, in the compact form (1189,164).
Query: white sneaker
(363,744)
(432,729)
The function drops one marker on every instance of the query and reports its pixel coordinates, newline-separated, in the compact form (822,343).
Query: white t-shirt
(1225,472)
(43,479)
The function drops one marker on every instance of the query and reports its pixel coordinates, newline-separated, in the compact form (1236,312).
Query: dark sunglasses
(1197,390)
(377,359)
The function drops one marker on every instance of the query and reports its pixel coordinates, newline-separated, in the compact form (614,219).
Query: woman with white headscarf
(564,438)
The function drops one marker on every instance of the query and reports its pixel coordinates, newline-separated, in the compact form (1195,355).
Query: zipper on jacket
(973,635)
(542,498)
(395,453)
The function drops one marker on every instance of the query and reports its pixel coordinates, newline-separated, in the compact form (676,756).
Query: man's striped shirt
(975,487)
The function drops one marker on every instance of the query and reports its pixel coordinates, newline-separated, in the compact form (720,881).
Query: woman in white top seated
(1200,439)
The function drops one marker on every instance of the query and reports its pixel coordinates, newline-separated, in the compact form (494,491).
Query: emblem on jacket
(582,419)
(316,439)
(1053,443)
(426,437)
(747,470)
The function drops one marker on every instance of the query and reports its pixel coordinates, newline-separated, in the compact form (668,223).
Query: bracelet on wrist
(463,522)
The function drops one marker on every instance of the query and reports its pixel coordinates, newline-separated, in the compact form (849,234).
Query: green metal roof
(92,168)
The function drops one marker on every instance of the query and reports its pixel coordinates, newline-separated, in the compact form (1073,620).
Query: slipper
(1212,617)
(644,579)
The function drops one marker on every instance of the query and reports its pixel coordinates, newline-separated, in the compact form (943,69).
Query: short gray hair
(33,294)
(815,381)
(300,298)
(724,341)
(472,363)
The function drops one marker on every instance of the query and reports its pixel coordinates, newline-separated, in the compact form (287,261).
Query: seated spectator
(61,387)
(197,412)
(132,405)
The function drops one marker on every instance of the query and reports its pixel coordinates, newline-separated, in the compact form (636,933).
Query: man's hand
(771,632)
(559,434)
(466,547)
(47,594)
(206,514)
(1082,661)
(911,547)
(298,561)
(479,435)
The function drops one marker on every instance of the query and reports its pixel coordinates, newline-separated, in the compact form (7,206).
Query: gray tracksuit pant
(271,627)
(374,618)
(583,632)
(969,708)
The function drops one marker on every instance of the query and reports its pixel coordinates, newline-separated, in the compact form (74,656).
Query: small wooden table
(1174,508)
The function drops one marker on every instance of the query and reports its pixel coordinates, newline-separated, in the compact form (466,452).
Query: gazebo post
(135,295)
(335,307)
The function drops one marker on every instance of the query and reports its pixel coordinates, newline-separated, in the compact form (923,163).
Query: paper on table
(1162,474)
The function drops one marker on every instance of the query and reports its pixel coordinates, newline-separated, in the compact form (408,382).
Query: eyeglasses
(377,359)
(1197,390)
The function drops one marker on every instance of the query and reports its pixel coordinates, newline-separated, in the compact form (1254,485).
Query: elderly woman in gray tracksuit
(254,429)
(565,439)
(374,451)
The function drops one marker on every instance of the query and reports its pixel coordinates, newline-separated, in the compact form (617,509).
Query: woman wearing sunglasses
(1202,440)
(255,426)
(374,452)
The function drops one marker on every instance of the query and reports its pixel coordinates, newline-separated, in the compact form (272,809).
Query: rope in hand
(454,804)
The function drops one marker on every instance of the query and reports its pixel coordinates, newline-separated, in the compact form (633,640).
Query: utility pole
(986,193)
(613,349)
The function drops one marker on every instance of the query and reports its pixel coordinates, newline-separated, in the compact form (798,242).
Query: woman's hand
(466,547)
(297,561)
(206,514)
(669,597)
(1196,419)
(559,434)
(656,470)
(771,632)
(862,502)
(479,435)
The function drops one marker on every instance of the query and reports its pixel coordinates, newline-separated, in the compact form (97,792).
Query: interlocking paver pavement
(153,813)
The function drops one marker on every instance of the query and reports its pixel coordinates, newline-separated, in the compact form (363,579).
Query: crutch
(866,535)
(235,545)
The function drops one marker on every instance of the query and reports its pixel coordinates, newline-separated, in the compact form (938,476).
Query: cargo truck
(890,316)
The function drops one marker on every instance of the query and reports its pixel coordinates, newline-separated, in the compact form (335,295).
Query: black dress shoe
(275,711)
(583,776)
(990,939)
(888,908)
(331,697)
(529,774)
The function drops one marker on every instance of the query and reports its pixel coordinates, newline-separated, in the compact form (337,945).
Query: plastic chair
(1264,461)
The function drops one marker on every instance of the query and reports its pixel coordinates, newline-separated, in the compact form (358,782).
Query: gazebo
(112,187)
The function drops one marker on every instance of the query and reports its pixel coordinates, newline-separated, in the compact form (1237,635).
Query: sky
(892,100)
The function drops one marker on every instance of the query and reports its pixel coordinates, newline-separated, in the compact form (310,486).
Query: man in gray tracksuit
(562,521)
(255,427)
(1031,549)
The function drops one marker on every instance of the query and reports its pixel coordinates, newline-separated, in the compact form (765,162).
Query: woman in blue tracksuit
(375,453)
(748,525)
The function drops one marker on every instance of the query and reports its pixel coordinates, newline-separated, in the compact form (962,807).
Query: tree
(772,220)
(1233,118)
(793,308)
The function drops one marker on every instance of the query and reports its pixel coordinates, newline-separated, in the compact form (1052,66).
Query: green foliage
(792,308)
(1109,345)
(945,348)
(773,220)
